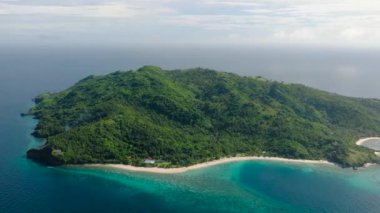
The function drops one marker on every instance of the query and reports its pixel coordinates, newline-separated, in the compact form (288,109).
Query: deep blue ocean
(259,186)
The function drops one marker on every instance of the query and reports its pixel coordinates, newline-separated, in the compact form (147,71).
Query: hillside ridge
(184,117)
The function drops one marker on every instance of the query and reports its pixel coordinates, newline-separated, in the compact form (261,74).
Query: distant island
(177,118)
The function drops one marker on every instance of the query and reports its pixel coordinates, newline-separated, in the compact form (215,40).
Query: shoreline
(360,143)
(217,162)
(362,140)
(202,165)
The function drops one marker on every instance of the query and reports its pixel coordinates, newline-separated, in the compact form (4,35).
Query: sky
(345,23)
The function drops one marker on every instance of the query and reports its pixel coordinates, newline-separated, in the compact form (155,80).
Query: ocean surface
(258,186)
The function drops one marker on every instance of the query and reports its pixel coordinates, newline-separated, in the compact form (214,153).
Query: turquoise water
(235,187)
(255,186)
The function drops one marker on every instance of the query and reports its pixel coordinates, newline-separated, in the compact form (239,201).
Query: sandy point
(361,141)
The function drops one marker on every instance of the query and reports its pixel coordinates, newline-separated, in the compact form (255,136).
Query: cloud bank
(323,22)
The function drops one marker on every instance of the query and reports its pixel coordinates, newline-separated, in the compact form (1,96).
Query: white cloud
(299,34)
(102,10)
(296,21)
(352,33)
(232,3)
(348,22)
(108,10)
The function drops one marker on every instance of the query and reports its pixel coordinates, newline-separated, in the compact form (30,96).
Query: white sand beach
(216,162)
(361,141)
(203,165)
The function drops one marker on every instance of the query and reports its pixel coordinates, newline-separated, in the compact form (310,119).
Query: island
(152,117)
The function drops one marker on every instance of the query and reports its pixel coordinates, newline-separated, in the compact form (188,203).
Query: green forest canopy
(184,117)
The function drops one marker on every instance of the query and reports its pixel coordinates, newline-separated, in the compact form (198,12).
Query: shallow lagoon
(258,186)
(254,186)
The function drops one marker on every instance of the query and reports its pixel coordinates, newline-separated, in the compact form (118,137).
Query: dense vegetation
(183,117)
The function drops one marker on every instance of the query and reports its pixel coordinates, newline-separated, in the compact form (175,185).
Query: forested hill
(183,117)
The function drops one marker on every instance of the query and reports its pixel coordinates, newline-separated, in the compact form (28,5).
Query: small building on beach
(149,161)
